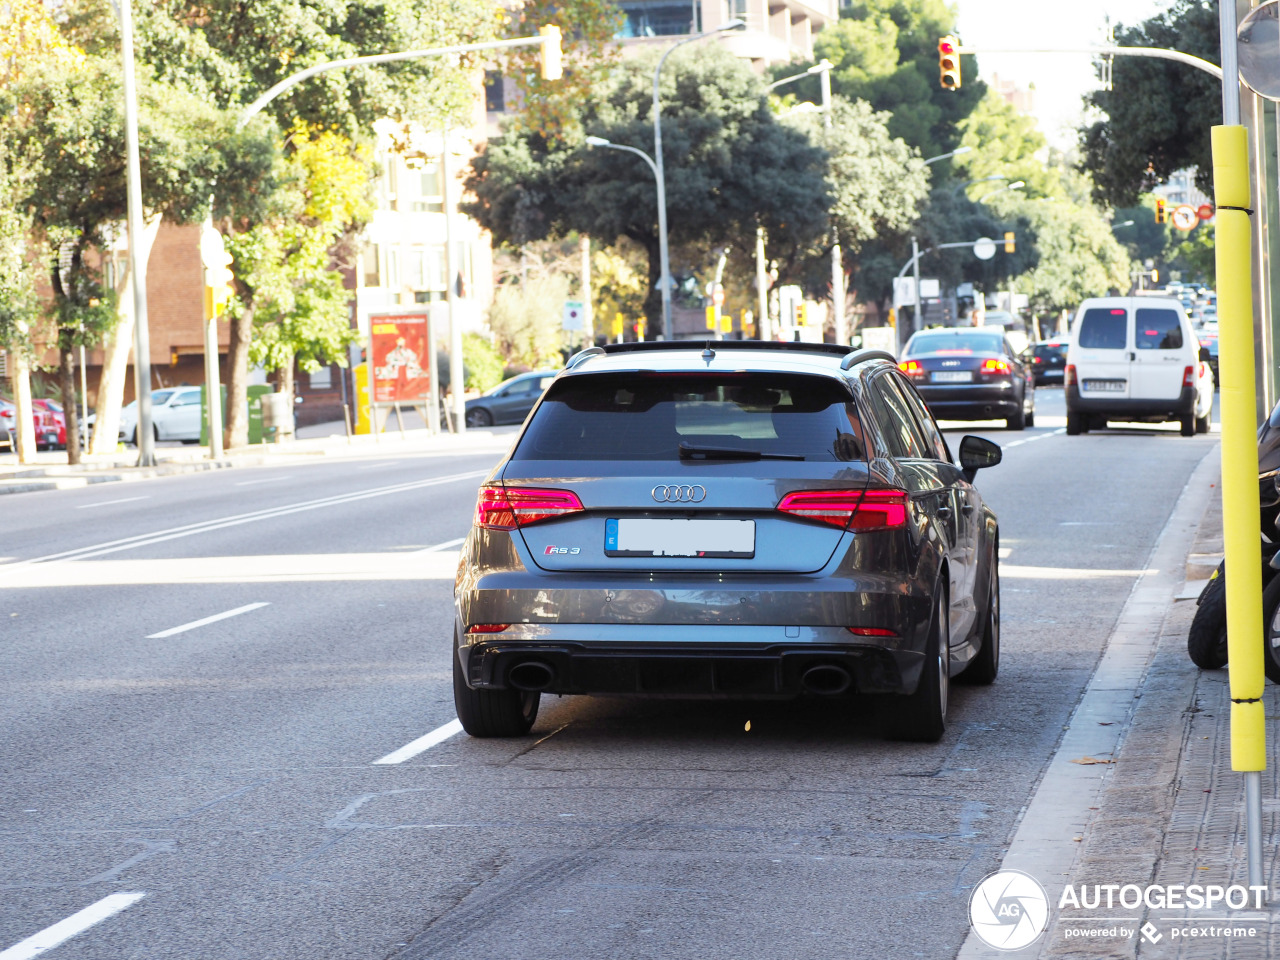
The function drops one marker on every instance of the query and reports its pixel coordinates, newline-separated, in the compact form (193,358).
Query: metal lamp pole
(660,173)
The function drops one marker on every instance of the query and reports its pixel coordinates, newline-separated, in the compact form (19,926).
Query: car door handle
(967,509)
(944,513)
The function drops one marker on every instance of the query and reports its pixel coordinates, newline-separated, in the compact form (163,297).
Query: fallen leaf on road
(1090,760)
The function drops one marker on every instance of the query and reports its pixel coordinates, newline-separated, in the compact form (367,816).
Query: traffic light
(949,63)
(551,53)
(1160,214)
(217,281)
(800,314)
(1010,244)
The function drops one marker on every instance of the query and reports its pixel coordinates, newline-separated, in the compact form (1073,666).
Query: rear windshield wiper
(690,452)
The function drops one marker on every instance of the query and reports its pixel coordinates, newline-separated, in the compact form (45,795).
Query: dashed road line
(206,620)
(1018,443)
(421,745)
(250,483)
(108,503)
(77,923)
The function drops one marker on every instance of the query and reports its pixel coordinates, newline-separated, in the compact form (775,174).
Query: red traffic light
(946,46)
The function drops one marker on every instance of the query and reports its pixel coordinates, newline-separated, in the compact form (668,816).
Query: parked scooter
(1207,639)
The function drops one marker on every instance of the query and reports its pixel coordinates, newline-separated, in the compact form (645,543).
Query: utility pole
(588,316)
(917,321)
(141,336)
(453,271)
(764,325)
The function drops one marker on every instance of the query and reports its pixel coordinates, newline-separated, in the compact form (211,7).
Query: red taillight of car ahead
(1069,378)
(505,508)
(1189,377)
(994,366)
(855,509)
(871,632)
(487,627)
(1036,360)
(912,369)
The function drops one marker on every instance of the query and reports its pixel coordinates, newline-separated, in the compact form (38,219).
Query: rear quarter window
(1104,328)
(647,416)
(1156,329)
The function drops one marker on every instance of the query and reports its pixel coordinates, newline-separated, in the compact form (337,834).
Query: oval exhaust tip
(531,675)
(826,679)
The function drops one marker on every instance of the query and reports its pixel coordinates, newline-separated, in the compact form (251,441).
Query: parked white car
(1136,358)
(175,415)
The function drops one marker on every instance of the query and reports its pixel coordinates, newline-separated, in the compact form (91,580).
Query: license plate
(734,539)
(952,376)
(1104,384)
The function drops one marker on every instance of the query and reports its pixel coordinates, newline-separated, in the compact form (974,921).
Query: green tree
(886,52)
(1157,113)
(1195,257)
(526,319)
(731,166)
(1006,143)
(481,361)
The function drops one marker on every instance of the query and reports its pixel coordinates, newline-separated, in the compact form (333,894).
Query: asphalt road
(227,771)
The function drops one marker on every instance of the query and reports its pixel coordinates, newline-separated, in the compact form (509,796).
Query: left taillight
(912,369)
(994,367)
(506,508)
(855,509)
(1189,377)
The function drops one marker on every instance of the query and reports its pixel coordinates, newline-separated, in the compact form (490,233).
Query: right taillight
(855,509)
(1069,378)
(505,508)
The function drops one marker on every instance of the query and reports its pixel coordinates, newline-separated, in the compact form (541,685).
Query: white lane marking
(423,743)
(64,930)
(448,544)
(173,533)
(206,620)
(375,466)
(107,503)
(250,483)
(1018,443)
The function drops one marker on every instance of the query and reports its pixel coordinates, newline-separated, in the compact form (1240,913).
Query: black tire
(983,668)
(1019,420)
(1202,424)
(1271,630)
(1188,425)
(1031,417)
(492,713)
(479,418)
(921,717)
(1207,638)
(1075,426)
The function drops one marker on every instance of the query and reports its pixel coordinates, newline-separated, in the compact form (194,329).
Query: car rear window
(1104,328)
(646,416)
(1157,329)
(956,343)
(1044,350)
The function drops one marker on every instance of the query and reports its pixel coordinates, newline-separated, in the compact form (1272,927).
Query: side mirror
(1204,354)
(976,453)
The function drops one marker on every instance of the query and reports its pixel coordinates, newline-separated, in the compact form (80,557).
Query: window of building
(424,188)
(321,379)
(371,275)
(657,18)
(495,93)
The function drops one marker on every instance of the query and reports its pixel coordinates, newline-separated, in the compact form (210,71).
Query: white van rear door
(1102,353)
(1160,355)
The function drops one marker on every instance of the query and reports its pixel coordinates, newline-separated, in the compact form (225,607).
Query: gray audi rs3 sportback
(740,519)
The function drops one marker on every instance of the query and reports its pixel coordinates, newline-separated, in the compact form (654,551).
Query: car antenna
(708,354)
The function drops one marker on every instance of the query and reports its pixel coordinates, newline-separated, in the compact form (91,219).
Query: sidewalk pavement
(50,471)
(1172,809)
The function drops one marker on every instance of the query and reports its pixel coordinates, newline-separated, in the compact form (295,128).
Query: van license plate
(1104,384)
(642,537)
(952,376)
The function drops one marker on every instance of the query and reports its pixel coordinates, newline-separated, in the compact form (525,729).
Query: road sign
(574,315)
(1184,217)
(1205,211)
(984,248)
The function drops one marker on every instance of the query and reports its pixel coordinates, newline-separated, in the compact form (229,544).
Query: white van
(1135,358)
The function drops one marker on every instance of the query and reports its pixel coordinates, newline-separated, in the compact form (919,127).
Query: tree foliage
(526,319)
(886,52)
(1158,113)
(730,165)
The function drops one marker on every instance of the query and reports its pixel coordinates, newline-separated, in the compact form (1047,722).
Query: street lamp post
(947,156)
(1016,185)
(660,173)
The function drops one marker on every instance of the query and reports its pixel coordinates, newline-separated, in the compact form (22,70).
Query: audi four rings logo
(677,493)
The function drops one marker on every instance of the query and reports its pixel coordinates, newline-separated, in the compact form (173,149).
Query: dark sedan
(968,373)
(1049,361)
(510,401)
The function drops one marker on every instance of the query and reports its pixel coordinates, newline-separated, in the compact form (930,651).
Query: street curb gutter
(1065,803)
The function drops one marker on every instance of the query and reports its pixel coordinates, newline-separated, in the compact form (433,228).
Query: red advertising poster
(399,356)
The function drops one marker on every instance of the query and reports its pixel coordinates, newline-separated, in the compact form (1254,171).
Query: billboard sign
(398,351)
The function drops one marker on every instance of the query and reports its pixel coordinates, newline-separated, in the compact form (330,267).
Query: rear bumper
(1125,407)
(978,401)
(736,670)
